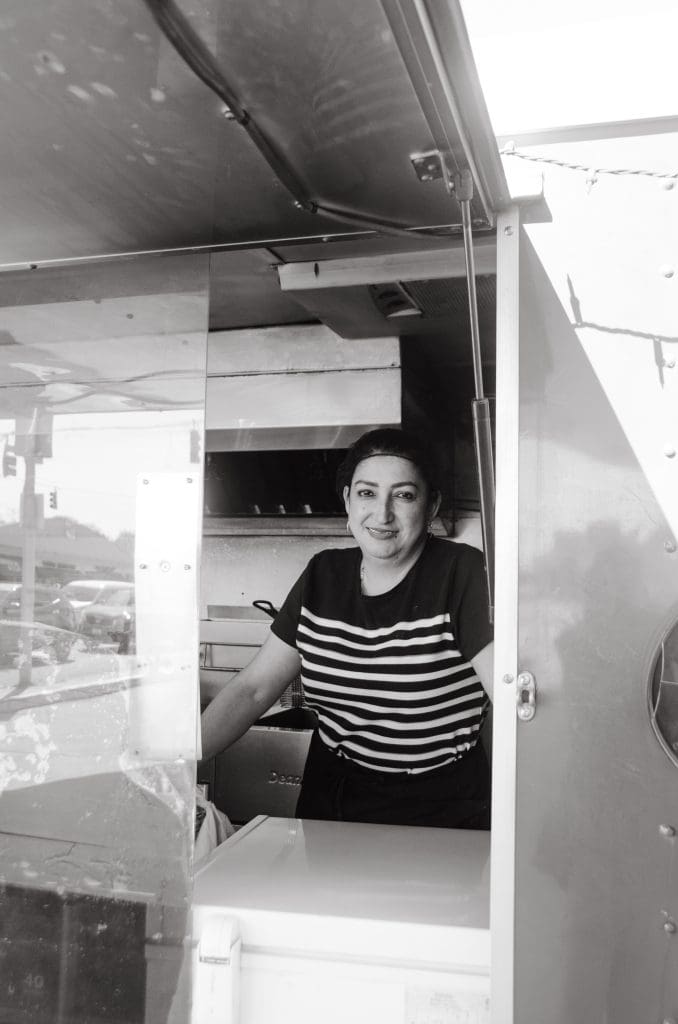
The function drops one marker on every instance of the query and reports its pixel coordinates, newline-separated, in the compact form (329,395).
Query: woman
(393,643)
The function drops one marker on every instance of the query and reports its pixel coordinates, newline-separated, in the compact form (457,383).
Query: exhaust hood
(396,294)
(298,387)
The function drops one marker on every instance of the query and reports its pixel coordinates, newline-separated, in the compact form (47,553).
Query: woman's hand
(243,700)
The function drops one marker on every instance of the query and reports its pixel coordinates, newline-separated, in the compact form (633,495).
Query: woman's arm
(483,663)
(244,699)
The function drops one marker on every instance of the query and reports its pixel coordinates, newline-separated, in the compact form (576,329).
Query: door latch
(526,697)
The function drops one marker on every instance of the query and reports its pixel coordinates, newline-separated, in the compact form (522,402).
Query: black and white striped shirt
(390,676)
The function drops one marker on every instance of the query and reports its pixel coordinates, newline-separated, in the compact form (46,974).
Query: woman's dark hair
(390,441)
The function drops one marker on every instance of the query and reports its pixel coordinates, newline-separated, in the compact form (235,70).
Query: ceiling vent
(393,301)
(432,300)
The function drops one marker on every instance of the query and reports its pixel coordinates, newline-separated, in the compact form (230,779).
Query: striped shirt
(390,676)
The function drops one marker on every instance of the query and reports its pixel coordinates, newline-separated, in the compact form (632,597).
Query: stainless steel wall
(596,874)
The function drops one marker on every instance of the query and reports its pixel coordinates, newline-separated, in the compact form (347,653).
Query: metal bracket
(428,166)
(526,697)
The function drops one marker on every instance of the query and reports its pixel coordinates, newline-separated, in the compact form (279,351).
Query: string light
(592,173)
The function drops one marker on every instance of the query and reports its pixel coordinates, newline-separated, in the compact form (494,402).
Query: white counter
(337,921)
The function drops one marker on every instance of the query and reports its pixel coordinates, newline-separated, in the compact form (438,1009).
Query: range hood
(398,293)
(298,387)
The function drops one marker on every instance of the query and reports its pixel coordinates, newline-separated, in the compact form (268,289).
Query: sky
(97,461)
(545,65)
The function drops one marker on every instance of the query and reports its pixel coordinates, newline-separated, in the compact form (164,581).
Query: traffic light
(8,461)
(53,498)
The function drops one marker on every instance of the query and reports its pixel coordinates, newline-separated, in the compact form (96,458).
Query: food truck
(235,235)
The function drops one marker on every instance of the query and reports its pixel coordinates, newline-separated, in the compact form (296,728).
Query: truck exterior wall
(596,881)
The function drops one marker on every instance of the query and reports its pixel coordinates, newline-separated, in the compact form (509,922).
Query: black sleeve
(286,621)
(469,604)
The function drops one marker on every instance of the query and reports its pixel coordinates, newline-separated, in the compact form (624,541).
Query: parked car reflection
(82,593)
(111,620)
(52,627)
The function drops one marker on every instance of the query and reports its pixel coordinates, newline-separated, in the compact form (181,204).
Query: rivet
(142,565)
(187,567)
(507,678)
(670,364)
(508,230)
(670,927)
(668,185)
(165,566)
(189,479)
(667,830)
(144,481)
(667,271)
(523,679)
(669,452)
(669,546)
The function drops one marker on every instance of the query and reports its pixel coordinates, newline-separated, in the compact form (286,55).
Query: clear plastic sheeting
(103,372)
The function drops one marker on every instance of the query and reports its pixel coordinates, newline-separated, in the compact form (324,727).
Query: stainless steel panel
(595,876)
(295,349)
(109,140)
(261,773)
(329,87)
(244,292)
(102,395)
(113,145)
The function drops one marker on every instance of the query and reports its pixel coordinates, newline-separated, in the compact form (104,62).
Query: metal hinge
(526,696)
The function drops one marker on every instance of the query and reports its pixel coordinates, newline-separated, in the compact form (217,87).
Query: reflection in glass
(663,694)
(103,395)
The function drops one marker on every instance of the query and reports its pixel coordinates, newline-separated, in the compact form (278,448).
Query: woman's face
(388,507)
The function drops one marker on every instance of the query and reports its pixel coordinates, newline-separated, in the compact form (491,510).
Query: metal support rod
(465,206)
(27,610)
(482,422)
(482,433)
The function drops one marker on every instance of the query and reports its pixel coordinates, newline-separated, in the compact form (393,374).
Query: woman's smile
(378,532)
